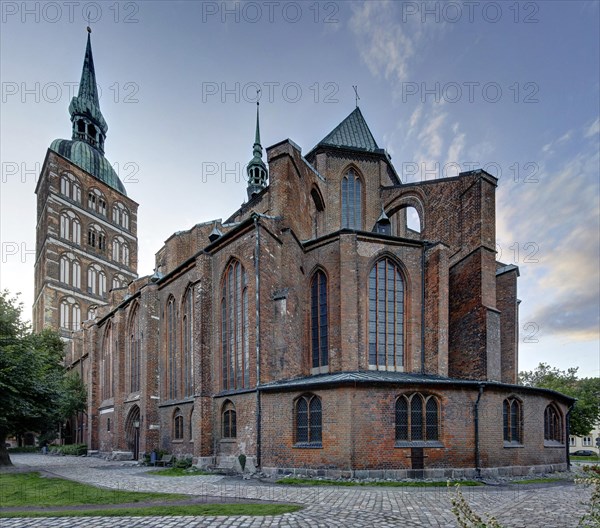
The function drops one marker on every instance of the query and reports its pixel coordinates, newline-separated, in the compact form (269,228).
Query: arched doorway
(132,431)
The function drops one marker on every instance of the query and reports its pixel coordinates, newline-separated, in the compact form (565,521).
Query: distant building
(312,330)
(590,442)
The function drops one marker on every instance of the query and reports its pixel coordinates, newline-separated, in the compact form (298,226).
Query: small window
(309,421)
(586,441)
(572,441)
(178,425)
(229,420)
(512,421)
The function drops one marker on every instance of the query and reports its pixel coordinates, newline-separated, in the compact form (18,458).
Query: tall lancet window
(171,338)
(318,320)
(351,200)
(386,316)
(187,326)
(234,328)
(134,350)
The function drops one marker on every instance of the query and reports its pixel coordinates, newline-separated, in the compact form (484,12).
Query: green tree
(35,394)
(586,413)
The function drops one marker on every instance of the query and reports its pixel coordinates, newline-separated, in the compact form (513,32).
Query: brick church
(313,330)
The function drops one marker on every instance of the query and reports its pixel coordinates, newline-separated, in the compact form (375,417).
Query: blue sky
(512,87)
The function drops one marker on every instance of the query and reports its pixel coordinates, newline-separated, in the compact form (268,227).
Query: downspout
(257,339)
(476,420)
(423,309)
(568,433)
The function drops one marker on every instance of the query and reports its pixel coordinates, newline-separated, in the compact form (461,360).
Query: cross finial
(356,97)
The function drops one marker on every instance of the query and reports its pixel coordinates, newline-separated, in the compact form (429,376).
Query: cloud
(593,129)
(560,215)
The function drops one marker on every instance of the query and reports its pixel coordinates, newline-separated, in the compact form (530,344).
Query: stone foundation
(432,473)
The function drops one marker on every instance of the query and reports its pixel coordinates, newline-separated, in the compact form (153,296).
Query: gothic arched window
(229,420)
(553,428)
(234,328)
(351,200)
(386,315)
(134,350)
(106,364)
(417,418)
(187,324)
(319,320)
(308,420)
(512,420)
(171,342)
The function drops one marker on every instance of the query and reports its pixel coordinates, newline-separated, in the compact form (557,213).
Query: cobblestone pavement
(347,507)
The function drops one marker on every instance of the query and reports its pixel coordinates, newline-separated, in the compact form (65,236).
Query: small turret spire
(257,170)
(88,122)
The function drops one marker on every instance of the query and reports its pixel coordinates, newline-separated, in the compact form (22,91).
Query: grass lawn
(178,472)
(31,490)
(586,458)
(393,484)
(174,510)
(538,481)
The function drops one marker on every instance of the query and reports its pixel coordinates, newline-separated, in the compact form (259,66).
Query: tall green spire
(88,122)
(257,170)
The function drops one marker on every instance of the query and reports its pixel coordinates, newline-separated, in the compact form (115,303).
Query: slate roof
(385,377)
(352,132)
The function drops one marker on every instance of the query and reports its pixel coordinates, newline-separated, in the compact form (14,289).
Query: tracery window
(187,326)
(386,316)
(70,314)
(172,388)
(351,200)
(308,420)
(70,227)
(512,420)
(134,350)
(106,363)
(319,320)
(235,355)
(553,427)
(70,187)
(96,237)
(417,418)
(120,215)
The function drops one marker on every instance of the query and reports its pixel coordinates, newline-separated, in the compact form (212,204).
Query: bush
(182,463)
(592,517)
(71,449)
(27,449)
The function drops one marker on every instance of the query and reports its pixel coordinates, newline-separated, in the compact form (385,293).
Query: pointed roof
(352,132)
(87,102)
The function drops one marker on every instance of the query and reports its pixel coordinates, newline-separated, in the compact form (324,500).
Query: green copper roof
(86,148)
(90,160)
(352,132)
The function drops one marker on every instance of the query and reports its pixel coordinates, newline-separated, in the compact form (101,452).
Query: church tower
(86,231)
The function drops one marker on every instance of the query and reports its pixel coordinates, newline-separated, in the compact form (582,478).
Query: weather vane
(258,90)
(356,98)
(89,29)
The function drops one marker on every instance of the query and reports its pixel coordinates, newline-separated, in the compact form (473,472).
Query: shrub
(591,519)
(242,460)
(182,463)
(70,449)
(465,516)
(26,449)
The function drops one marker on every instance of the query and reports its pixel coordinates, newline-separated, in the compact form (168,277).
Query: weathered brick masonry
(313,330)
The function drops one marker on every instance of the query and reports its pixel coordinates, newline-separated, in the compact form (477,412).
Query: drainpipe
(568,433)
(423,309)
(257,339)
(477,461)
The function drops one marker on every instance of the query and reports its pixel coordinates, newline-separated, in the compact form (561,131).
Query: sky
(445,86)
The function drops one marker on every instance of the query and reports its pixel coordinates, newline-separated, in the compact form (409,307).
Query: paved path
(344,507)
